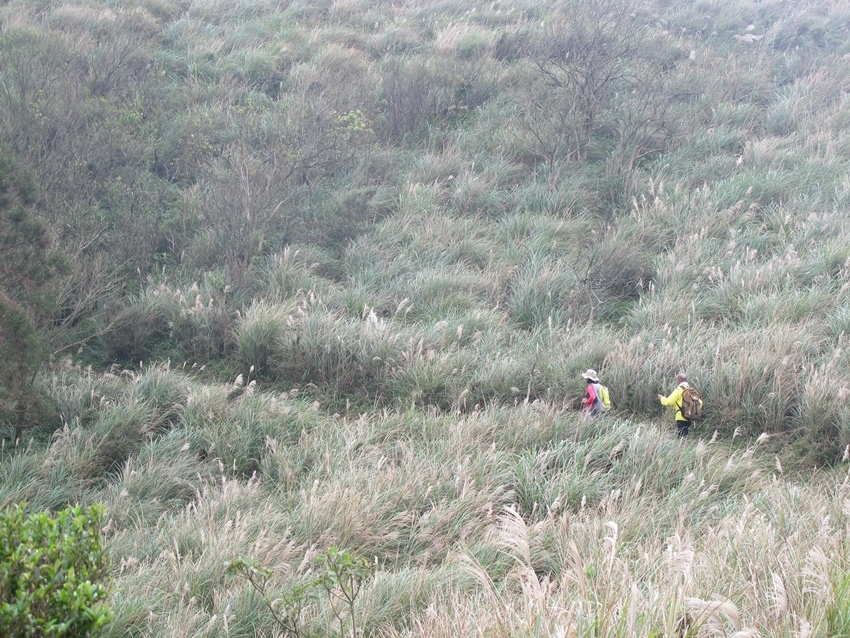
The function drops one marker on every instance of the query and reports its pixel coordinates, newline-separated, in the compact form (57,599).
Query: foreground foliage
(53,573)
(340,576)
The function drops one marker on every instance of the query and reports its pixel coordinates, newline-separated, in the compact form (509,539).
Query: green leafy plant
(53,572)
(344,573)
(28,263)
(287,609)
(341,575)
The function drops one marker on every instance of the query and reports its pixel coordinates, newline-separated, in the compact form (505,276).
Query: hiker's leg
(683,428)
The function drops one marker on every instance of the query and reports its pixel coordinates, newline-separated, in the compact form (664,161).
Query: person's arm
(674,399)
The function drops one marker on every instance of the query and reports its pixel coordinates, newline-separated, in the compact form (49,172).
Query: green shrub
(53,573)
(144,330)
(341,575)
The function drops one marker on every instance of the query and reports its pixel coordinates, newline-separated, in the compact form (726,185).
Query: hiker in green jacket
(675,401)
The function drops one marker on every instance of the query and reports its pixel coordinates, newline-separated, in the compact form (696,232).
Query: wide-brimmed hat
(591,374)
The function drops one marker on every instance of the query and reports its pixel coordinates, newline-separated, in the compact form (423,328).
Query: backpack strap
(684,386)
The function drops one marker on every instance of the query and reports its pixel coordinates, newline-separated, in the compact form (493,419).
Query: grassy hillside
(330,272)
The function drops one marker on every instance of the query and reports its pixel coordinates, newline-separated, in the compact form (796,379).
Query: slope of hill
(405,229)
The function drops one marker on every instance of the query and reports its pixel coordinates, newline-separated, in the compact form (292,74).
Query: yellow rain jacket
(675,400)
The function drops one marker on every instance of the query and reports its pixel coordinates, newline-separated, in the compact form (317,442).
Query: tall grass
(531,510)
(397,369)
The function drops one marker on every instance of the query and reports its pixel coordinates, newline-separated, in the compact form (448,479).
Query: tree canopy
(28,262)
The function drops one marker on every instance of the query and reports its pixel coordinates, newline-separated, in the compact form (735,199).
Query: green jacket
(675,400)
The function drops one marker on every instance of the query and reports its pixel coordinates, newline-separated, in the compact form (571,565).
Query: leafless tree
(599,89)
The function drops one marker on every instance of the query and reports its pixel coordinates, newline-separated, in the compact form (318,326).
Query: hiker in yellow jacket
(675,401)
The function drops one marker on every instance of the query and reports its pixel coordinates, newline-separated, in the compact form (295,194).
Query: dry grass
(634,533)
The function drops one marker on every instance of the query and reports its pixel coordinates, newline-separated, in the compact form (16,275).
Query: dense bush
(54,572)
(29,262)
